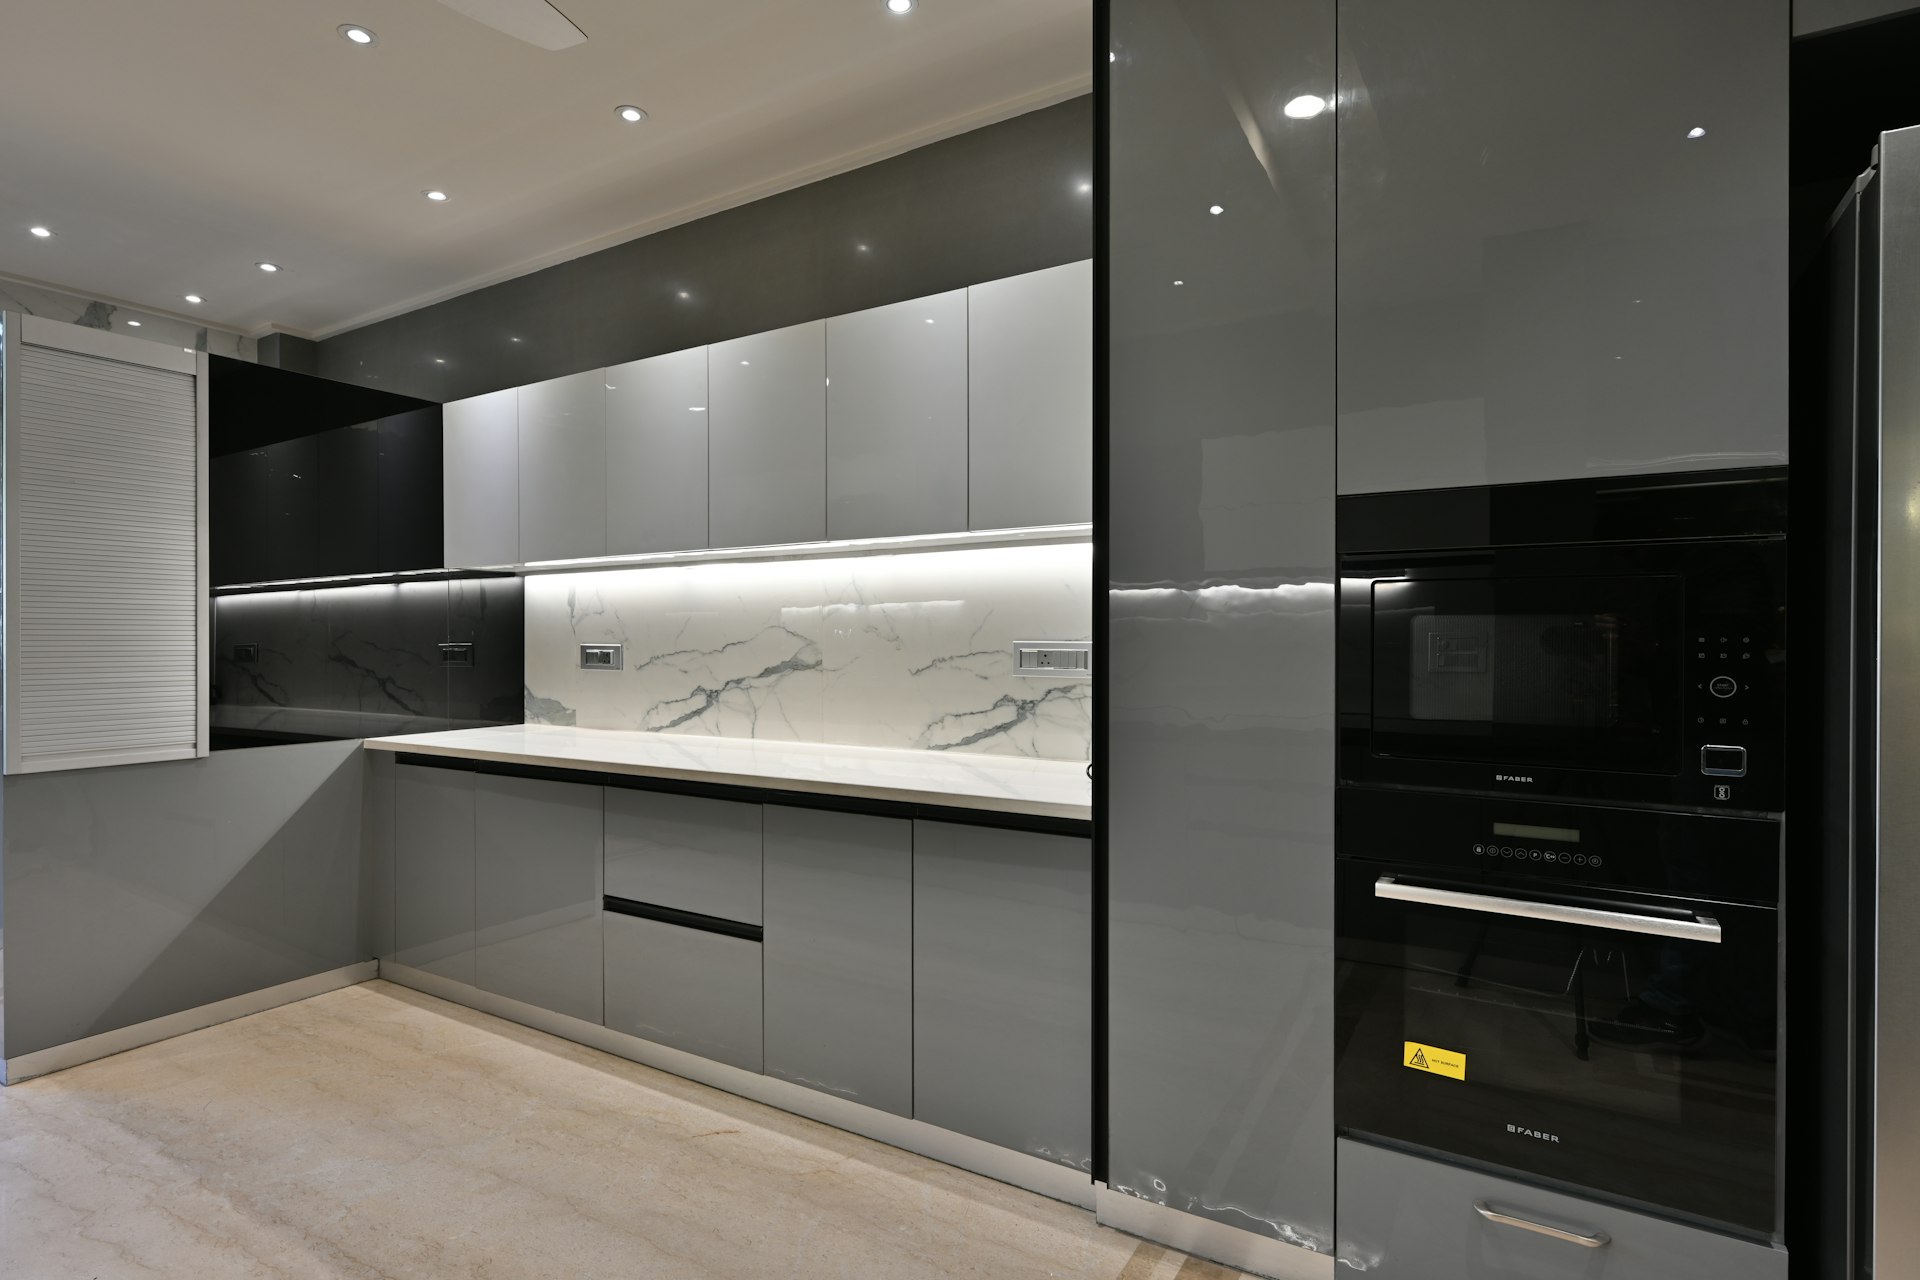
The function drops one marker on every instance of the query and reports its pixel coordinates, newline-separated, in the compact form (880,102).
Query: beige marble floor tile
(378,1132)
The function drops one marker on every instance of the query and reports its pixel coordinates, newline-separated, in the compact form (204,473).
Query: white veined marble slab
(1003,784)
(905,650)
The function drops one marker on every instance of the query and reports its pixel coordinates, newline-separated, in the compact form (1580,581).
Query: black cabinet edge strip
(684,919)
(960,816)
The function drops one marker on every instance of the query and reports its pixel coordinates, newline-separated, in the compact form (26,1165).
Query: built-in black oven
(1621,641)
(1558,835)
(1582,995)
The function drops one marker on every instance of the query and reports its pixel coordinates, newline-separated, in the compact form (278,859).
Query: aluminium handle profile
(1698,929)
(1597,1240)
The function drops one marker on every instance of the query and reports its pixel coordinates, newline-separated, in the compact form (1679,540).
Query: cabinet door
(685,988)
(537,893)
(1405,1218)
(1003,987)
(684,852)
(1543,274)
(897,419)
(325,492)
(656,478)
(767,425)
(1030,399)
(411,498)
(563,467)
(433,870)
(839,954)
(240,517)
(481,481)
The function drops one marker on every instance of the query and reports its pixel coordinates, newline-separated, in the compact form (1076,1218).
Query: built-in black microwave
(1620,641)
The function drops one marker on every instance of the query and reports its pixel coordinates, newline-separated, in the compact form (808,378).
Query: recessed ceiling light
(42,232)
(1085,187)
(1216,210)
(133,324)
(437,196)
(267,267)
(1696,132)
(354,33)
(1304,107)
(631,114)
(900,6)
(195,298)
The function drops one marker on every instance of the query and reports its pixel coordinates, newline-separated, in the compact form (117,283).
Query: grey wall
(994,202)
(137,892)
(1219,759)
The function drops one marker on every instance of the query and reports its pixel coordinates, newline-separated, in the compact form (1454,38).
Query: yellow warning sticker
(1439,1062)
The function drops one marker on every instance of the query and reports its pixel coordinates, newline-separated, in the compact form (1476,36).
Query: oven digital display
(1564,835)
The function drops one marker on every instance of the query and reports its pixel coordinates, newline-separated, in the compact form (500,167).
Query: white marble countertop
(1003,784)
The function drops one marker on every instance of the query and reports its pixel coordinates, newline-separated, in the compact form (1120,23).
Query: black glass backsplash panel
(367,660)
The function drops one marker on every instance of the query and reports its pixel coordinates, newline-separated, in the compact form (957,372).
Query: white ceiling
(173,145)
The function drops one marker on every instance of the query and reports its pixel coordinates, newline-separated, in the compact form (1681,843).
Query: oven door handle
(1698,929)
(1598,1240)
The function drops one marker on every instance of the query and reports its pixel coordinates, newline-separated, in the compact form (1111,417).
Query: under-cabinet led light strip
(845,546)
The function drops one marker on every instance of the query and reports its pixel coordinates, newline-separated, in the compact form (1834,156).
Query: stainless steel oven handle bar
(1597,1240)
(1698,929)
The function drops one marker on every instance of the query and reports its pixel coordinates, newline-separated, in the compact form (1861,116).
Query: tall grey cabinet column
(1219,763)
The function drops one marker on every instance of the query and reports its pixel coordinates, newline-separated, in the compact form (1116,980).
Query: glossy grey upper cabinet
(897,419)
(656,476)
(536,893)
(563,467)
(481,481)
(1030,399)
(1562,239)
(767,437)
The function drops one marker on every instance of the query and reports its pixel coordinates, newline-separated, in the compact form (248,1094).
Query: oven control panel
(1543,857)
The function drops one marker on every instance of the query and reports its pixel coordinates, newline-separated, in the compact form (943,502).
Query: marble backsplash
(907,650)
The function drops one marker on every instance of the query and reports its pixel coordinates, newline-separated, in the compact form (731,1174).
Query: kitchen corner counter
(956,780)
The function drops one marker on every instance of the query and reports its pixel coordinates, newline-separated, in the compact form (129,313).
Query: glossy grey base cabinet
(839,954)
(537,893)
(1405,1218)
(684,988)
(685,852)
(1003,987)
(433,870)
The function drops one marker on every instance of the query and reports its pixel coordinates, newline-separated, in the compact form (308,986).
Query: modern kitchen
(1125,639)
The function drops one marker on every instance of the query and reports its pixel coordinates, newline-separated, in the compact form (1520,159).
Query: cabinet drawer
(684,988)
(1403,1216)
(684,852)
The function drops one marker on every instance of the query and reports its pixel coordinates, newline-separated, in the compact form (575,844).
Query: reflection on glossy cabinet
(897,419)
(767,438)
(537,893)
(687,989)
(433,850)
(656,476)
(1407,1218)
(1542,277)
(1003,987)
(481,481)
(839,954)
(563,467)
(1030,399)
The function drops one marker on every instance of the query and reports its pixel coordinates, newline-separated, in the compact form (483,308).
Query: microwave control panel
(1734,710)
